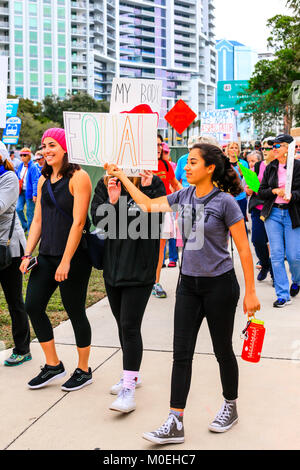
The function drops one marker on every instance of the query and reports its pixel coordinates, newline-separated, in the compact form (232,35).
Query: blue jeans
(284,242)
(29,211)
(173,252)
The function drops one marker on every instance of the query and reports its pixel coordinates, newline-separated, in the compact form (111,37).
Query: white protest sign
(127,93)
(220,124)
(290,169)
(3,89)
(128,140)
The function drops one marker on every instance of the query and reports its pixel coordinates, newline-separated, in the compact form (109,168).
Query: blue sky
(245,21)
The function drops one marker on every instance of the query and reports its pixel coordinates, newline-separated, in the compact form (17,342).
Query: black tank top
(55,225)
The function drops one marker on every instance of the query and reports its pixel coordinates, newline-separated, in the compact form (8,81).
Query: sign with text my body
(128,140)
(128,93)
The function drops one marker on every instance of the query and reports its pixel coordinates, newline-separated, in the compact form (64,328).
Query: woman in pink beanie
(64,192)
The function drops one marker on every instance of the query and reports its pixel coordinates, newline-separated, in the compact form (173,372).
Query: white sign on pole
(3,89)
(220,124)
(290,169)
(127,93)
(128,140)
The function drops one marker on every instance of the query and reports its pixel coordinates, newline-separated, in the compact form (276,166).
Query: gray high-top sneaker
(171,432)
(226,417)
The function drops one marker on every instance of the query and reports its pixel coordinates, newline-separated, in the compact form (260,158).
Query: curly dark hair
(224,176)
(67,169)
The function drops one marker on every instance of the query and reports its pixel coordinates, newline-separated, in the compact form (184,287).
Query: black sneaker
(47,374)
(294,290)
(281,303)
(262,274)
(78,379)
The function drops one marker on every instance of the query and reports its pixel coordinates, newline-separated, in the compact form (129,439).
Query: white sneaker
(115,389)
(125,401)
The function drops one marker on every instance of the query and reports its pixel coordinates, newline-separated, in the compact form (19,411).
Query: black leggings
(216,299)
(73,291)
(128,305)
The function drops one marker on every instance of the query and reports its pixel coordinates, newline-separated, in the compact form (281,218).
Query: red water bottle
(253,336)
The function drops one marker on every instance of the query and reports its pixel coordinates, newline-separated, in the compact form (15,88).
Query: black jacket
(127,261)
(270,182)
(254,199)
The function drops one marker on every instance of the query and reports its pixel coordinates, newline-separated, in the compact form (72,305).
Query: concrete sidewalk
(269,398)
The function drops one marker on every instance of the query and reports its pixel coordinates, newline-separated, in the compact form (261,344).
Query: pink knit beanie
(57,134)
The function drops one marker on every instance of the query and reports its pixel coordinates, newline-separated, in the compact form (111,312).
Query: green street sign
(230,92)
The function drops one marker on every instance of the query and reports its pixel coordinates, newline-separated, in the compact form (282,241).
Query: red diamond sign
(180,116)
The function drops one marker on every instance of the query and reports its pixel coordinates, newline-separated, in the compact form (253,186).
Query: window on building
(47,11)
(61,67)
(61,12)
(33,37)
(32,23)
(62,92)
(61,53)
(62,80)
(47,91)
(48,79)
(18,21)
(34,78)
(47,52)
(47,38)
(18,36)
(61,26)
(19,64)
(33,65)
(19,77)
(47,25)
(18,7)
(32,8)
(18,50)
(48,65)
(33,51)
(34,93)
(61,39)
(19,91)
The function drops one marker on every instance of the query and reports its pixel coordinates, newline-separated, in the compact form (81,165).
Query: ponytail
(224,176)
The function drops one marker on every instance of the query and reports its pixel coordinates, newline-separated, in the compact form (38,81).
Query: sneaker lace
(124,392)
(165,428)
(224,413)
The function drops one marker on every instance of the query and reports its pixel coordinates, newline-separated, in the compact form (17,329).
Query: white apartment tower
(57,46)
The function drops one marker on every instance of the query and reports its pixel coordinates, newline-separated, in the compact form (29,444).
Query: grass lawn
(55,310)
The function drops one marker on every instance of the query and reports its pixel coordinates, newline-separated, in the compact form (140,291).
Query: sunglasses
(159,145)
(277,146)
(267,149)
(297,147)
(24,154)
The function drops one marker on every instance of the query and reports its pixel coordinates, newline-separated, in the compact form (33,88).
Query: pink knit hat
(57,134)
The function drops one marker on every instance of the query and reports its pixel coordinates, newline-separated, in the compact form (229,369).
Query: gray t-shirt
(206,251)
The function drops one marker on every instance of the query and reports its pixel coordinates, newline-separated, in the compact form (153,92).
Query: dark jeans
(260,239)
(11,281)
(128,306)
(73,291)
(243,206)
(216,299)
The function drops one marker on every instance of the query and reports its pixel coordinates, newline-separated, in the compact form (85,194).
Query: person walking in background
(166,173)
(233,151)
(39,160)
(64,192)
(180,172)
(297,148)
(207,286)
(129,273)
(173,252)
(28,175)
(10,276)
(15,161)
(259,236)
(282,220)
(267,150)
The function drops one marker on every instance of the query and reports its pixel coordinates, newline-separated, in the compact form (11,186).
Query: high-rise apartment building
(56,46)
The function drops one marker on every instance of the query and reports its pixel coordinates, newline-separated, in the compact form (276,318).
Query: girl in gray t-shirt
(207,286)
